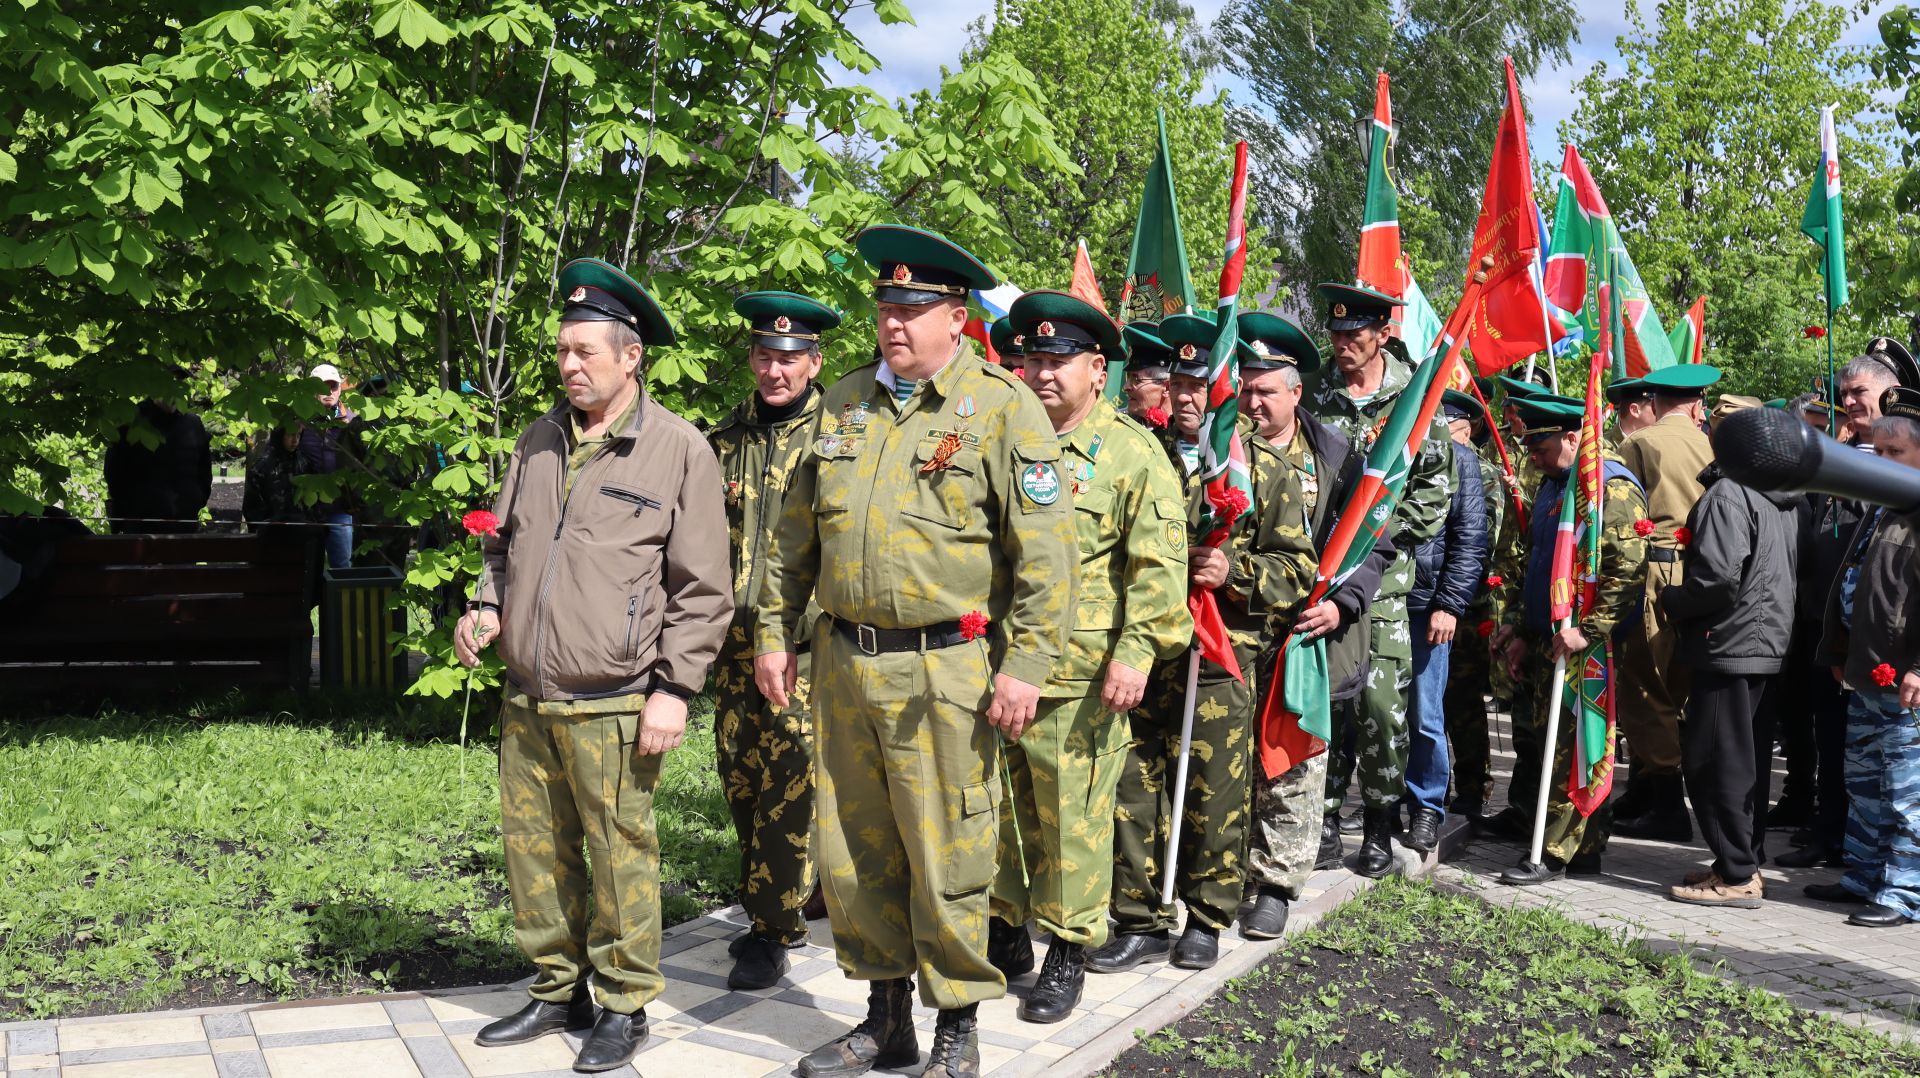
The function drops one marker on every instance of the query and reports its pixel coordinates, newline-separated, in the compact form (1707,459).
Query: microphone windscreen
(1766,449)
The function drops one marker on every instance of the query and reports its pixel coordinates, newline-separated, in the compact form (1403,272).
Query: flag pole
(1169,865)
(1535,850)
(1506,461)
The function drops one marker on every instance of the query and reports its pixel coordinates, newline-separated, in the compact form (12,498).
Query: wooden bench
(127,615)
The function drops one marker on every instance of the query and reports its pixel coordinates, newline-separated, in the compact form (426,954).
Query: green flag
(1158,283)
(1821,222)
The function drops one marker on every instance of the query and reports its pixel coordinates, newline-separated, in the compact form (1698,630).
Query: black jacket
(1347,659)
(169,482)
(1734,605)
(1451,568)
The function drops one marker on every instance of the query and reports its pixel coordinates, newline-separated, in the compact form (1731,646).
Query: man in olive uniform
(1370,372)
(1667,457)
(1149,365)
(1131,613)
(931,522)
(765,754)
(1287,832)
(1257,570)
(606,588)
(1531,642)
(1633,407)
(1007,345)
(1469,676)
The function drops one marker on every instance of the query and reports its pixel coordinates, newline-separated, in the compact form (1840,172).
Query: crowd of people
(942,605)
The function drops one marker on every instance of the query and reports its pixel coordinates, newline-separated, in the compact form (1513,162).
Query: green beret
(916,266)
(596,291)
(1352,307)
(1060,324)
(1269,340)
(786,321)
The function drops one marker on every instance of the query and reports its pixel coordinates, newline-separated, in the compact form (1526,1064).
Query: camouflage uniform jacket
(1270,554)
(1623,555)
(880,536)
(1131,607)
(757,463)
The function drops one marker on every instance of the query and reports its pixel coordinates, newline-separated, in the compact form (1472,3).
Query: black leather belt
(872,641)
(1662,554)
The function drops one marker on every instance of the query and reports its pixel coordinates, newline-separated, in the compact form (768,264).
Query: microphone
(1769,449)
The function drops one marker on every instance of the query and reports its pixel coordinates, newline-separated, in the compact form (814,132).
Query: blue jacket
(1545,511)
(1451,568)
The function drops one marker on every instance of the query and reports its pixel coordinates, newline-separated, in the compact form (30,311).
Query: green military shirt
(881,536)
(758,460)
(1274,571)
(582,448)
(1131,607)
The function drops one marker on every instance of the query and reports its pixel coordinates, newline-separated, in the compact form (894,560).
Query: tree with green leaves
(1311,65)
(1704,142)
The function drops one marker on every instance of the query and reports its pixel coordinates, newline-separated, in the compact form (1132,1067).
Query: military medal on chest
(1083,475)
(951,441)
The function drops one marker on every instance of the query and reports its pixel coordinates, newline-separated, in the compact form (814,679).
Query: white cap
(327,372)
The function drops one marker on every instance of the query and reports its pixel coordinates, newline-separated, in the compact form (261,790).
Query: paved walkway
(1793,945)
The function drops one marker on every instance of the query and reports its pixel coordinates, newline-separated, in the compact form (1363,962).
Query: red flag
(1084,286)
(1510,322)
(978,330)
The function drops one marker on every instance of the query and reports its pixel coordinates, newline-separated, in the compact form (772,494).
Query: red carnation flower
(973,625)
(1643,528)
(1496,580)
(1814,333)
(1485,629)
(1683,536)
(1232,503)
(481,522)
(1157,417)
(1885,675)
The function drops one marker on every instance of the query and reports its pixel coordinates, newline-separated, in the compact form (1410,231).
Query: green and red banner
(1585,238)
(1158,282)
(1822,221)
(1688,338)
(1383,266)
(1588,682)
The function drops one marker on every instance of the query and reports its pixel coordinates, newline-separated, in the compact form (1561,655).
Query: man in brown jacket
(608,590)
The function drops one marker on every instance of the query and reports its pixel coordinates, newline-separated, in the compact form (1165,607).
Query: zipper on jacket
(640,502)
(633,609)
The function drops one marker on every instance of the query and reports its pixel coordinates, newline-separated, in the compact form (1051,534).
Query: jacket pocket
(639,499)
(630,652)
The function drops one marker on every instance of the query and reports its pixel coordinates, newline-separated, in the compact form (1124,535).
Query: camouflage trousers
(1652,686)
(1210,874)
(1370,731)
(765,758)
(1468,683)
(908,795)
(1287,813)
(1883,784)
(1567,832)
(1056,820)
(565,781)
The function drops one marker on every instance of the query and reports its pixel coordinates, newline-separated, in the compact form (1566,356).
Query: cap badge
(1188,351)
(577,295)
(782,324)
(902,273)
(1044,329)
(1019,340)
(1339,310)
(1260,348)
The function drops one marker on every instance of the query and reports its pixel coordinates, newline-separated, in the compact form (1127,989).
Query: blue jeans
(1428,768)
(1883,821)
(339,540)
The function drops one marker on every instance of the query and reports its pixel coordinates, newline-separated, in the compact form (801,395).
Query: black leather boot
(1353,823)
(885,1039)
(613,1042)
(1376,848)
(1199,946)
(956,1044)
(1127,950)
(1057,990)
(758,962)
(539,1018)
(1009,947)
(1332,850)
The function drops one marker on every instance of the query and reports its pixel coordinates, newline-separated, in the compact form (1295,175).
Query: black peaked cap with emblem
(1901,402)
(786,321)
(1895,357)
(914,266)
(1006,342)
(596,291)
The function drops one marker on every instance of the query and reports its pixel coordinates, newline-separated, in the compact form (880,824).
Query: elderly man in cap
(1667,458)
(1149,365)
(606,591)
(933,524)
(765,754)
(1131,612)
(1371,370)
(1294,450)
(1469,669)
(1264,565)
(1530,642)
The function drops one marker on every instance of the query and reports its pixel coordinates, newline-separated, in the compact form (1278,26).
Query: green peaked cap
(916,266)
(1350,306)
(1144,346)
(786,321)
(1548,412)
(596,291)
(1627,389)
(1465,405)
(1681,379)
(1190,337)
(1004,340)
(1518,388)
(1270,340)
(1062,324)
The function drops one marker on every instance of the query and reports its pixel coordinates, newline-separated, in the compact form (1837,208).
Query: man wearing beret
(765,754)
(1667,457)
(606,590)
(932,523)
(1371,371)
(1130,612)
(1529,642)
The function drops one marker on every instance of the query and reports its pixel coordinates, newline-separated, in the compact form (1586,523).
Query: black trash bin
(358,610)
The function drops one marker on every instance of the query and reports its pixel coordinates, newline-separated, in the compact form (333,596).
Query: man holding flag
(1370,372)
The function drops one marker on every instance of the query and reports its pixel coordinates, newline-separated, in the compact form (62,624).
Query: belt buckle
(866,638)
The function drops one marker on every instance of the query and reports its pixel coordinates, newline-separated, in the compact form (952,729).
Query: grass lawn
(220,853)
(1409,980)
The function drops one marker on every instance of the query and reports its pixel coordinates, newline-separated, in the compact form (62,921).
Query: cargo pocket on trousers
(633,786)
(973,848)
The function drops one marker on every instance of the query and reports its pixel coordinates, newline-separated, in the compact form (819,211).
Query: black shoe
(1878,916)
(1791,811)
(1584,864)
(1057,990)
(1332,850)
(1802,837)
(1832,892)
(1636,799)
(1812,856)
(1396,820)
(885,1039)
(1352,823)
(1009,948)
(1127,950)
(1375,858)
(956,1044)
(1424,833)
(758,963)
(1658,825)
(539,1018)
(1267,920)
(1512,823)
(1528,874)
(1199,946)
(613,1042)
